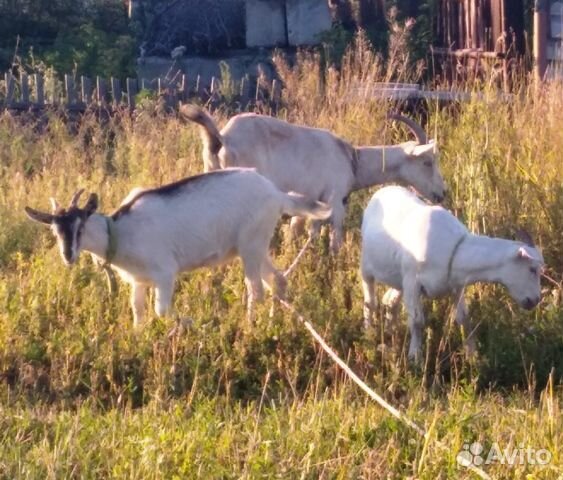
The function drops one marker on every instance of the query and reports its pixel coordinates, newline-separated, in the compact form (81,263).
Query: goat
(420,249)
(200,221)
(315,162)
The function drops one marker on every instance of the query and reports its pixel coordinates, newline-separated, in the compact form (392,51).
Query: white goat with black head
(199,221)
(315,162)
(424,250)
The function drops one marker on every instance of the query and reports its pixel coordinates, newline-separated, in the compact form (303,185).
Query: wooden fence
(36,92)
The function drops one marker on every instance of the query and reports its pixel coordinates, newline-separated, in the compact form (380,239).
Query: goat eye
(533,271)
(428,164)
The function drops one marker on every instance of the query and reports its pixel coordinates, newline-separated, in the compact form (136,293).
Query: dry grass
(82,396)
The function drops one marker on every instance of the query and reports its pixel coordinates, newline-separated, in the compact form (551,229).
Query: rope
(113,286)
(290,269)
(381,401)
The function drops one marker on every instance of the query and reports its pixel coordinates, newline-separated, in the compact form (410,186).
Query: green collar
(110,255)
(451,260)
(112,240)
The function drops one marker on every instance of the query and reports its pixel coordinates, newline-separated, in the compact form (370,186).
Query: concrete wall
(265,23)
(306,19)
(240,64)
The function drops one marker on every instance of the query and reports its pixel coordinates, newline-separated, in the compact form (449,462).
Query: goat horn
(524,237)
(75,197)
(414,127)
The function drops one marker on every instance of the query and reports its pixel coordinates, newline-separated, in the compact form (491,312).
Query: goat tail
(212,138)
(300,206)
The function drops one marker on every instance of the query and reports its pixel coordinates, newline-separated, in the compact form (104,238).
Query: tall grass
(84,396)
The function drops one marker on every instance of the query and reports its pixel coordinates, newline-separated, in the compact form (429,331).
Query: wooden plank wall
(481,24)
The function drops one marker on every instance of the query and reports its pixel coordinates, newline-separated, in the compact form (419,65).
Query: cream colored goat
(316,163)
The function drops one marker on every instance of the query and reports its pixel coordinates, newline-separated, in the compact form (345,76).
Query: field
(84,396)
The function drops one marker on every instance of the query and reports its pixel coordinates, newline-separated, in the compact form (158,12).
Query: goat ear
(409,148)
(524,237)
(419,150)
(523,254)
(91,204)
(35,215)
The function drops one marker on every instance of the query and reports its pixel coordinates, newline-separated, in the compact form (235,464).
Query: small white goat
(199,221)
(419,249)
(316,163)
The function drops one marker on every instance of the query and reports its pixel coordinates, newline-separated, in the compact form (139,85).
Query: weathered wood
(70,90)
(276,91)
(39,89)
(115,91)
(55,92)
(131,92)
(86,90)
(467,52)
(24,80)
(214,87)
(258,93)
(184,88)
(146,85)
(161,86)
(198,86)
(540,39)
(244,90)
(101,91)
(10,87)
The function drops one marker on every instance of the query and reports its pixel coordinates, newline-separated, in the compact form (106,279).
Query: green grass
(83,396)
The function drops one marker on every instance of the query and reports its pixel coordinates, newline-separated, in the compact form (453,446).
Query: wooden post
(276,91)
(54,89)
(39,89)
(198,86)
(24,90)
(131,92)
(100,91)
(214,88)
(70,90)
(9,88)
(185,89)
(244,91)
(86,90)
(540,38)
(161,86)
(116,91)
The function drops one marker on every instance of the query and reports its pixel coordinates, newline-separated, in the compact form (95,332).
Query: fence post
(198,86)
(9,88)
(540,38)
(39,91)
(276,91)
(214,87)
(70,90)
(115,91)
(146,85)
(86,87)
(54,91)
(131,92)
(100,91)
(244,91)
(185,89)
(24,90)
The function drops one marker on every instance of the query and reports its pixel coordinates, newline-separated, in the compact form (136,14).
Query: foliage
(90,38)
